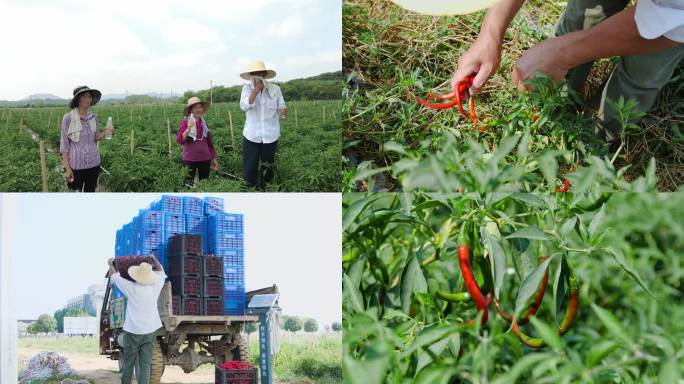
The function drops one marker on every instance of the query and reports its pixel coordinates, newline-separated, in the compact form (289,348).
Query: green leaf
(436,349)
(529,199)
(670,372)
(435,375)
(568,226)
(367,371)
(498,261)
(547,333)
(530,232)
(599,351)
(596,220)
(530,285)
(612,324)
(412,281)
(353,294)
(620,259)
(521,366)
(355,209)
(429,336)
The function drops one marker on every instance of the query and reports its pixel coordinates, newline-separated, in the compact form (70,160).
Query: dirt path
(101,370)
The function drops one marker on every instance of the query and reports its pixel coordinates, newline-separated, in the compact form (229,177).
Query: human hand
(482,58)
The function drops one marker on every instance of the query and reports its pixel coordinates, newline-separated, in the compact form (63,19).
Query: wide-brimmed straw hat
(192,101)
(445,7)
(257,66)
(143,274)
(78,91)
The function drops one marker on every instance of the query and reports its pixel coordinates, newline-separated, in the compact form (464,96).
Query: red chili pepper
(459,94)
(565,187)
(471,284)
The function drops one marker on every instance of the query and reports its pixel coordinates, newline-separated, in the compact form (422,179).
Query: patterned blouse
(84,154)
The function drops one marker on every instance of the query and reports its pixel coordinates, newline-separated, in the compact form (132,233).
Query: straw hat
(445,7)
(257,66)
(192,101)
(78,91)
(143,274)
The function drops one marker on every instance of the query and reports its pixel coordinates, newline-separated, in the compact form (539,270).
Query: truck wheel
(158,364)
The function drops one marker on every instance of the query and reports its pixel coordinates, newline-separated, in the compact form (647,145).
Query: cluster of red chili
(236,365)
(459,93)
(482,302)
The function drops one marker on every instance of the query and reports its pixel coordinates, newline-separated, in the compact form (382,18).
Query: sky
(159,45)
(61,243)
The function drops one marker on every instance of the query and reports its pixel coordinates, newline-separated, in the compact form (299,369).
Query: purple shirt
(195,150)
(84,154)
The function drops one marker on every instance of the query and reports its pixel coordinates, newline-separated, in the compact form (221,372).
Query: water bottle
(108,135)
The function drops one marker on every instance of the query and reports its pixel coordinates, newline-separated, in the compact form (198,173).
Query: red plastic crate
(213,266)
(185,245)
(185,265)
(213,307)
(212,287)
(236,376)
(183,305)
(186,286)
(122,263)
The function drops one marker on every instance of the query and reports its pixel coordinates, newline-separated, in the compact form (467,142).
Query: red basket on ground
(236,372)
(212,287)
(122,263)
(213,306)
(183,305)
(186,286)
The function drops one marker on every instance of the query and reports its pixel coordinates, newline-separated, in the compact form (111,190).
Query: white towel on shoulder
(75,125)
(192,126)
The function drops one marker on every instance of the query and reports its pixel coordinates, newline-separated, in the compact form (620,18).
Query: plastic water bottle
(108,135)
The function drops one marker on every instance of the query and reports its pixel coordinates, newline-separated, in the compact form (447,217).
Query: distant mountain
(156,95)
(41,97)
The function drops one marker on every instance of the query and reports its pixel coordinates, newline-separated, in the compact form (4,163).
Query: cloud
(145,46)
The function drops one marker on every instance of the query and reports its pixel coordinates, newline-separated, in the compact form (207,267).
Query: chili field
(529,142)
(513,288)
(141,158)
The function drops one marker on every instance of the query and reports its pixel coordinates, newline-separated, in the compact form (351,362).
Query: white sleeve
(281,100)
(244,98)
(656,18)
(124,285)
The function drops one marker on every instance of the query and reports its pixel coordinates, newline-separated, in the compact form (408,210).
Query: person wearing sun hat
(142,322)
(199,154)
(263,104)
(647,38)
(78,143)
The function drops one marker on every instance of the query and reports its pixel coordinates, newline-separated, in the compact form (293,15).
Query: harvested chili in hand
(459,94)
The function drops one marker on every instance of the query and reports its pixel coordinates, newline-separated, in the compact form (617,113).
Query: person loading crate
(142,316)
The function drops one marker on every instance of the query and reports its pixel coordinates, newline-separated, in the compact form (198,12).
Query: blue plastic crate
(174,224)
(193,206)
(197,225)
(150,218)
(213,205)
(221,221)
(168,204)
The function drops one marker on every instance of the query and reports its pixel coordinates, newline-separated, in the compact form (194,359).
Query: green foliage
(622,249)
(46,323)
(307,157)
(310,325)
(250,328)
(292,324)
(337,327)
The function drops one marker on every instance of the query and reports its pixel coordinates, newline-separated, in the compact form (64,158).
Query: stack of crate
(184,256)
(222,244)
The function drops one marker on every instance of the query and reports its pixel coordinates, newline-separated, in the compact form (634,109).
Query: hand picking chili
(458,95)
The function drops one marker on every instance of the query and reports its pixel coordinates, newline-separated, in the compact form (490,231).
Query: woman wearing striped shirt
(78,144)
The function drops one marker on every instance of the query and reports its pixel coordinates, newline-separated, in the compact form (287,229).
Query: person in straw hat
(78,142)
(194,135)
(264,106)
(142,321)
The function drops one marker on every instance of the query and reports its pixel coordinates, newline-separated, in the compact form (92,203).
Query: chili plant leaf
(413,280)
(620,259)
(429,336)
(354,210)
(612,324)
(597,220)
(530,232)
(530,285)
(353,294)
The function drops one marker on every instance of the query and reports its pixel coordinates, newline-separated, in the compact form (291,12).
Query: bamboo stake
(168,132)
(43,167)
(324,121)
(9,116)
(132,140)
(296,120)
(230,124)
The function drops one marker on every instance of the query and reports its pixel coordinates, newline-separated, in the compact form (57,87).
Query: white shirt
(262,122)
(655,18)
(142,315)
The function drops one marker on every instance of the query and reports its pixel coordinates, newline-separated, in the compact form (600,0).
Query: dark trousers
(201,167)
(85,179)
(258,161)
(137,350)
